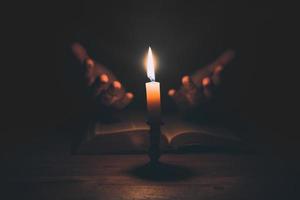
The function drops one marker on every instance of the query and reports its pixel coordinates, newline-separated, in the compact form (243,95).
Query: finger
(97,72)
(216,76)
(215,66)
(207,92)
(184,98)
(206,81)
(185,80)
(104,78)
(101,84)
(171,92)
(100,69)
(123,102)
(116,86)
(79,51)
(218,69)
(177,96)
(222,60)
(187,83)
(189,90)
(90,65)
(207,87)
(225,58)
(114,93)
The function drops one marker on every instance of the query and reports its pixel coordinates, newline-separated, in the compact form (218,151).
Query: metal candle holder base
(154,148)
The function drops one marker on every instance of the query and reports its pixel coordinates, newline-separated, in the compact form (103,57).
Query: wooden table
(45,169)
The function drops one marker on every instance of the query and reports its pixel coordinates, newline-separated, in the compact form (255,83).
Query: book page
(130,134)
(192,133)
(127,123)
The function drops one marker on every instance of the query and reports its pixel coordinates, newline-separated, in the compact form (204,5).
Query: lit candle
(152,91)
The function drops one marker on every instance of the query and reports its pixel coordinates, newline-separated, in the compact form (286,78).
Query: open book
(130,135)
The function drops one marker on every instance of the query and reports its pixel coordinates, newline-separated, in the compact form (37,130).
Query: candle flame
(150,66)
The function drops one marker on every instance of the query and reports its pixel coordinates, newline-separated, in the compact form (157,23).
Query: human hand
(105,88)
(199,87)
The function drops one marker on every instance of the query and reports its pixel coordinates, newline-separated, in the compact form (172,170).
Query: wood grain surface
(45,169)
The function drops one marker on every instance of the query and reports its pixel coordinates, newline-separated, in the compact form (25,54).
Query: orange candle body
(153,101)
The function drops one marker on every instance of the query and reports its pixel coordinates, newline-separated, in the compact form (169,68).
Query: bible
(130,135)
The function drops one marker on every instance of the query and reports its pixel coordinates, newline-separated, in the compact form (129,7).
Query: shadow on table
(161,172)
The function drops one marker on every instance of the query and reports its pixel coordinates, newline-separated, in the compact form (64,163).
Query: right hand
(106,89)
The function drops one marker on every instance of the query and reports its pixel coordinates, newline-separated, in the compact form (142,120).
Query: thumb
(79,52)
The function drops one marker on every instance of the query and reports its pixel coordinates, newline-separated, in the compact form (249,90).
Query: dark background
(40,88)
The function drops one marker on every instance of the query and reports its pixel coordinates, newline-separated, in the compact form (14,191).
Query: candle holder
(154,136)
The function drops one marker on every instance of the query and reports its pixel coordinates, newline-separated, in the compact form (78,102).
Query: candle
(152,91)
